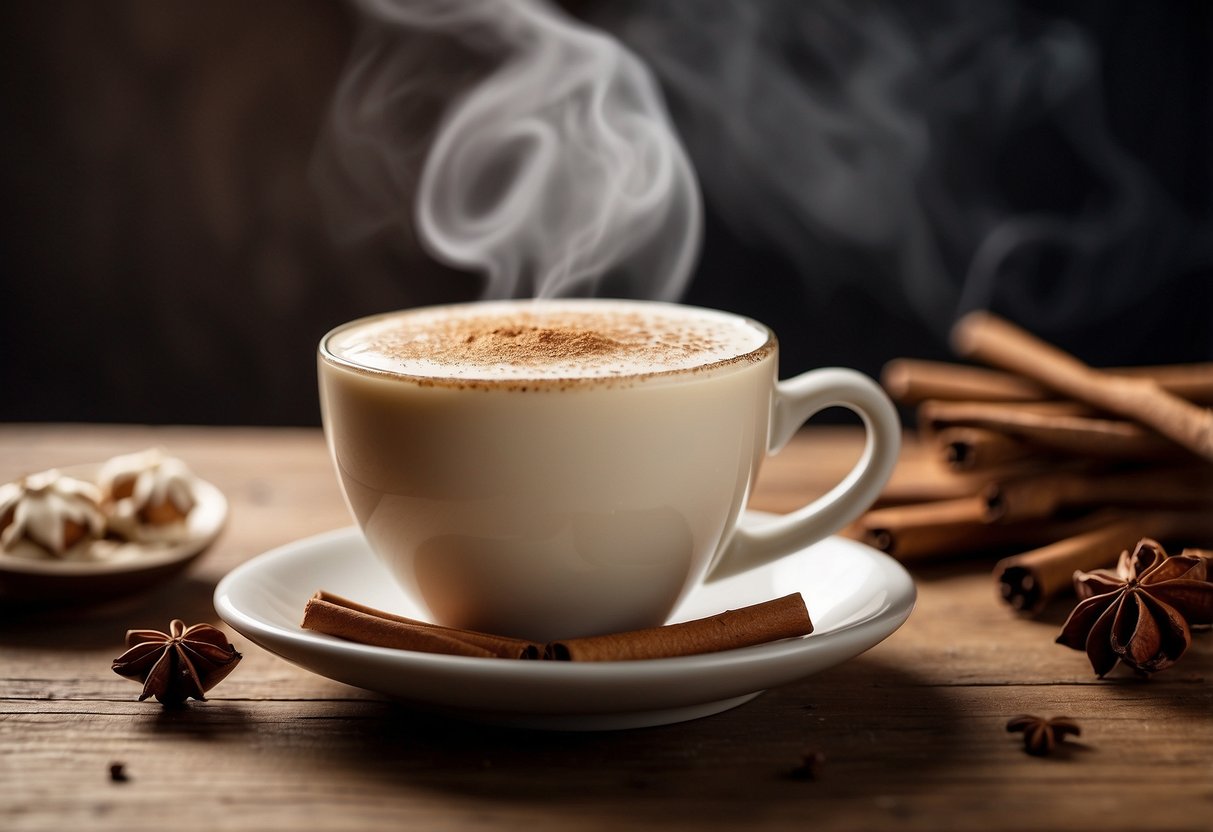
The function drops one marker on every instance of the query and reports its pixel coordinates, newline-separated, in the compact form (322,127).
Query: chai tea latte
(554,469)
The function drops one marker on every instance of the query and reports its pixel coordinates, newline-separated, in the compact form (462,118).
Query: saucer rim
(901,597)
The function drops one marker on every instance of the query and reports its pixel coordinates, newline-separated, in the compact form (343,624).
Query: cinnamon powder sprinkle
(526,341)
(502,344)
(521,344)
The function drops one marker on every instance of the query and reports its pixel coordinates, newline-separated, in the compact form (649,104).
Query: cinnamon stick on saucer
(781,618)
(336,616)
(993,340)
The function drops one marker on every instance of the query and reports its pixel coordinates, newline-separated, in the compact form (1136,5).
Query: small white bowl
(106,569)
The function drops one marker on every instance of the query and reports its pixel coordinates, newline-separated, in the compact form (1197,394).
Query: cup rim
(768,348)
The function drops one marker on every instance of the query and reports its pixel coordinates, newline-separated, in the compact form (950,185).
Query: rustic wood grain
(912,731)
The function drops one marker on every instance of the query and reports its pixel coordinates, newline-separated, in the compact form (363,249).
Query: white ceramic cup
(556,508)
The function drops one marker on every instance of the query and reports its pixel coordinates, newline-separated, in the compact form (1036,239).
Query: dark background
(164,258)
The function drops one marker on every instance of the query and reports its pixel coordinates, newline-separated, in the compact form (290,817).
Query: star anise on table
(182,663)
(1040,735)
(1141,613)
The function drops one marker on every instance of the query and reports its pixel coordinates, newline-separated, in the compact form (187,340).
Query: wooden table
(912,731)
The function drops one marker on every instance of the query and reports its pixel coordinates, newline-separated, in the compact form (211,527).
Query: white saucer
(856,597)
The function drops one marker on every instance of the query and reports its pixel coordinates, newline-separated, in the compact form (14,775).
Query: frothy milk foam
(547,340)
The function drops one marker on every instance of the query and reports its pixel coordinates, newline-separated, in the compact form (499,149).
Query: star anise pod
(1040,735)
(1141,614)
(182,663)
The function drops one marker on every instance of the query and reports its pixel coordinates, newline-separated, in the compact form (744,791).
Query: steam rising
(869,142)
(547,161)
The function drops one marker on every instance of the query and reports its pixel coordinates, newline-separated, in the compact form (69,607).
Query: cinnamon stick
(975,449)
(911,381)
(931,531)
(1027,581)
(921,530)
(336,616)
(1062,428)
(993,340)
(1193,382)
(781,618)
(921,476)
(1042,495)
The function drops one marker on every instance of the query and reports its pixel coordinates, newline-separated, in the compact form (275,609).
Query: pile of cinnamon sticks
(1058,465)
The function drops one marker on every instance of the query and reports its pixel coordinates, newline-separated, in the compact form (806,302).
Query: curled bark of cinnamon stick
(1027,581)
(1042,495)
(966,449)
(336,616)
(921,530)
(937,530)
(1064,428)
(922,476)
(781,618)
(988,338)
(911,381)
(1193,382)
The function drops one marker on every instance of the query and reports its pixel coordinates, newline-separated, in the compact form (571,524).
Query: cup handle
(796,400)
